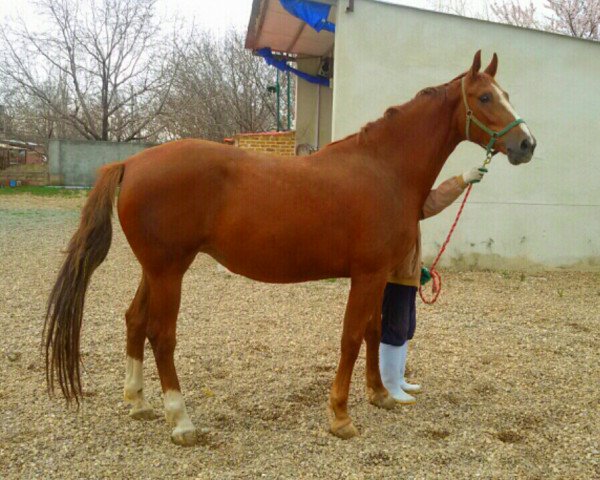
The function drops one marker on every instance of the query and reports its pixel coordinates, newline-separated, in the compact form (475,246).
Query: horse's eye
(485,98)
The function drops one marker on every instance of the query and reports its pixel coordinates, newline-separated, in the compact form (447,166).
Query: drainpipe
(277,88)
(289,113)
(318,120)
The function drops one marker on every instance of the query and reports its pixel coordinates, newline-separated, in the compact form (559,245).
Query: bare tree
(578,18)
(515,14)
(30,118)
(221,89)
(459,7)
(102,69)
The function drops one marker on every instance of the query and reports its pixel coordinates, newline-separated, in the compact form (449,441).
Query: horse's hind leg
(377,393)
(163,306)
(136,319)
(365,293)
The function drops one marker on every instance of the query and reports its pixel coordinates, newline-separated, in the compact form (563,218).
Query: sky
(219,15)
(216,15)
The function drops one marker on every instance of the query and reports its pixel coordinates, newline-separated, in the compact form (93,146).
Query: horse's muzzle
(521,151)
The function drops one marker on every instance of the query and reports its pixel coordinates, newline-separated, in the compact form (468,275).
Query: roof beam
(296,37)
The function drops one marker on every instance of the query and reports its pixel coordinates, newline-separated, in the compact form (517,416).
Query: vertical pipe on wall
(318,119)
(278,92)
(289,113)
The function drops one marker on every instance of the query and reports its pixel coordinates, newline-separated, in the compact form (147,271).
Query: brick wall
(32,174)
(278,143)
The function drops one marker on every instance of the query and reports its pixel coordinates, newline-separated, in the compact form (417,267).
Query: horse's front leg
(376,392)
(365,295)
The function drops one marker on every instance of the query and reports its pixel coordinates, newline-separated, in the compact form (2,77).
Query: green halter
(493,135)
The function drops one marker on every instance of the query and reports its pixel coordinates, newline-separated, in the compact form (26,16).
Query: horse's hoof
(145,413)
(345,431)
(382,400)
(184,437)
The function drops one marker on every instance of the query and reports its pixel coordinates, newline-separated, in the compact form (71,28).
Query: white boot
(407,387)
(391,367)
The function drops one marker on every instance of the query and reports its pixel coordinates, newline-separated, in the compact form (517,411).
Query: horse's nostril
(525,145)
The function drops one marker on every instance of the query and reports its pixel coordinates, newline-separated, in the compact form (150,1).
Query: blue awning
(314,14)
(282,65)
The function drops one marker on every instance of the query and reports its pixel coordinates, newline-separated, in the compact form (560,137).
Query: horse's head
(488,118)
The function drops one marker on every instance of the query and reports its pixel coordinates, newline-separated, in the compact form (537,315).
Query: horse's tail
(87,249)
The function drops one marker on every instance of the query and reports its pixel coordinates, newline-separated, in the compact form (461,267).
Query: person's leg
(394,331)
(412,323)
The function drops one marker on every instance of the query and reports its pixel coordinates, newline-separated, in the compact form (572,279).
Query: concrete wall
(313,107)
(543,214)
(76,162)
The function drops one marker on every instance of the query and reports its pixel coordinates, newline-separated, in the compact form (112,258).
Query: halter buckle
(488,159)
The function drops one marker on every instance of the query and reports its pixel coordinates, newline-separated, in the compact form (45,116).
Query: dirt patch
(437,433)
(27,201)
(509,366)
(509,436)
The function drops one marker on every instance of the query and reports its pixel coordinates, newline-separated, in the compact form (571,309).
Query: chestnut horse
(349,210)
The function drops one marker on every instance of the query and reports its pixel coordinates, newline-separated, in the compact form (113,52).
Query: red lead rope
(436,287)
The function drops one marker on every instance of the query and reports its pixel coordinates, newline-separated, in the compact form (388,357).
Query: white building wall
(313,107)
(542,214)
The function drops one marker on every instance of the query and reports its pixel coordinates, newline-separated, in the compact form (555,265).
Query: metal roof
(6,146)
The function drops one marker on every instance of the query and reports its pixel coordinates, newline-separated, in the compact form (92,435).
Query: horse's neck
(417,143)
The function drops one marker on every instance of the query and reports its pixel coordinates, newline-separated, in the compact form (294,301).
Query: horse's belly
(282,252)
(282,272)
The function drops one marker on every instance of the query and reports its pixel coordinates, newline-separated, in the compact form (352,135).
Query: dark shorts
(398,314)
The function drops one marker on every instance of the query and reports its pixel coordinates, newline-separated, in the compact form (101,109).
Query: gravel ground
(508,361)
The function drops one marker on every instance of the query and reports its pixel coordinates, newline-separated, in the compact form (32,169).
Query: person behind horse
(398,312)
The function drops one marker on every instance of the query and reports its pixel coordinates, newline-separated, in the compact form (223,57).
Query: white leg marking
(134,390)
(184,432)
(134,380)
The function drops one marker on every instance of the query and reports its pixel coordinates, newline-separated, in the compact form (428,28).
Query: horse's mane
(393,112)
(440,88)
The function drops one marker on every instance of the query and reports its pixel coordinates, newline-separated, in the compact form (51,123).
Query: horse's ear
(493,66)
(476,63)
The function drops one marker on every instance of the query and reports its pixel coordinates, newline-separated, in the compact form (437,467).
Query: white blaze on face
(175,411)
(506,104)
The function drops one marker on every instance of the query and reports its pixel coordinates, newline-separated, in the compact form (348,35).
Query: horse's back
(267,217)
